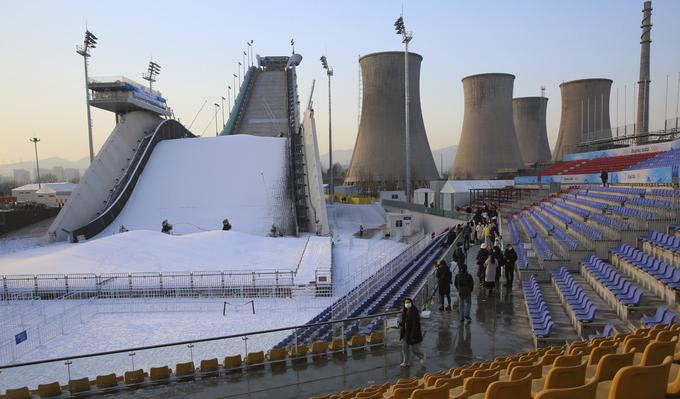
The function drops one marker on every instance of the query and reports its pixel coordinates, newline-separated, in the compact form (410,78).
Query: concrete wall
(378,160)
(488,141)
(316,204)
(585,114)
(532,136)
(90,196)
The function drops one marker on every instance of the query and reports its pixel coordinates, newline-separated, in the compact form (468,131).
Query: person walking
(479,233)
(490,266)
(604,176)
(500,262)
(410,333)
(444,284)
(459,256)
(467,231)
(464,284)
(482,256)
(510,260)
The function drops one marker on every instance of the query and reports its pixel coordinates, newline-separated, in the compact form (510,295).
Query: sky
(198,45)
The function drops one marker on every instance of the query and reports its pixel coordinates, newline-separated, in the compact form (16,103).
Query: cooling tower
(488,141)
(378,161)
(532,135)
(585,115)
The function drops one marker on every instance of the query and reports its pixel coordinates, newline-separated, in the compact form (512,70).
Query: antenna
(542,91)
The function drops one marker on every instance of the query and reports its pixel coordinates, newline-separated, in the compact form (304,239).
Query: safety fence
(271,283)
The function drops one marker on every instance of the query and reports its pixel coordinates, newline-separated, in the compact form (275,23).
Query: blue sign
(525,180)
(21,337)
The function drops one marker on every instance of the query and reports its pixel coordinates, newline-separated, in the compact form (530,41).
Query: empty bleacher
(611,164)
(669,158)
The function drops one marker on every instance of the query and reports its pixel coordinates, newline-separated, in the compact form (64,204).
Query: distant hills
(47,163)
(443,158)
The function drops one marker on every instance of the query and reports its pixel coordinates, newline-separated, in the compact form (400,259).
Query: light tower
(250,52)
(153,71)
(223,111)
(35,142)
(90,42)
(643,82)
(329,73)
(217,108)
(406,38)
(229,100)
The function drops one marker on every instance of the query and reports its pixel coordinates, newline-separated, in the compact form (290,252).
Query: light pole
(239,75)
(223,111)
(406,38)
(217,108)
(331,186)
(90,42)
(250,51)
(235,92)
(35,142)
(244,64)
(229,100)
(152,72)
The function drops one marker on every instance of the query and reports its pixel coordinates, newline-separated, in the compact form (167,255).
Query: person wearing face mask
(410,333)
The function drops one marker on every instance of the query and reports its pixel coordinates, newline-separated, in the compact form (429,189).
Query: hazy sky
(198,43)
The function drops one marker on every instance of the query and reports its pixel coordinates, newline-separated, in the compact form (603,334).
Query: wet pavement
(499,326)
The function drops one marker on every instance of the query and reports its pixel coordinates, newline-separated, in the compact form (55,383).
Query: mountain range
(47,163)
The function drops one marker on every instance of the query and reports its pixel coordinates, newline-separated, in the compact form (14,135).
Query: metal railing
(262,283)
(89,365)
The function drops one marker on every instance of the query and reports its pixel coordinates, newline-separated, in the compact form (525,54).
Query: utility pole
(406,38)
(217,108)
(223,111)
(90,42)
(329,72)
(35,142)
(229,99)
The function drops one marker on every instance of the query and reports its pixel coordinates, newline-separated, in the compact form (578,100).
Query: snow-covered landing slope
(196,183)
(152,251)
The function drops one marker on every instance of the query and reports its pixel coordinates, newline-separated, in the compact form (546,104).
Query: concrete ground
(499,326)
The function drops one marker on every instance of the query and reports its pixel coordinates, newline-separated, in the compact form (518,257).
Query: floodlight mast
(406,38)
(35,142)
(90,42)
(331,185)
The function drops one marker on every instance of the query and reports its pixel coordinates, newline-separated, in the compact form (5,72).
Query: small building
(53,195)
(393,195)
(398,224)
(424,196)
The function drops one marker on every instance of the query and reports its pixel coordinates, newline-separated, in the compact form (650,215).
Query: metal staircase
(299,184)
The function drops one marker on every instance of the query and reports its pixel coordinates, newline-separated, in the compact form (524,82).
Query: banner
(526,180)
(638,149)
(655,175)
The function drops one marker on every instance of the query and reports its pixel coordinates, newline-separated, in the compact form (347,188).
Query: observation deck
(121,95)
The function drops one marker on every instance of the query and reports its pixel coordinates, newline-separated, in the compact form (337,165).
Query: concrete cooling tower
(532,135)
(585,114)
(378,161)
(488,141)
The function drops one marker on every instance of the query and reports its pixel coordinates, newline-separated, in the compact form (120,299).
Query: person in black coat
(410,333)
(500,260)
(510,260)
(604,176)
(226,226)
(482,255)
(464,284)
(166,227)
(459,255)
(444,284)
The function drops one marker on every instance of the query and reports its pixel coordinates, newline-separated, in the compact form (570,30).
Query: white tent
(457,192)
(424,196)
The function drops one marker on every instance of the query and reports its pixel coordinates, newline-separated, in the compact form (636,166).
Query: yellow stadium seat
(231,362)
(587,391)
(319,348)
(134,377)
(357,341)
(473,385)
(549,358)
(441,392)
(637,343)
(675,327)
(567,361)
(277,354)
(582,350)
(611,363)
(656,352)
(673,388)
(518,389)
(159,373)
(375,338)
(337,345)
(49,390)
(106,381)
(18,393)
(448,381)
(597,353)
(562,377)
(666,335)
(519,372)
(185,370)
(298,351)
(405,393)
(431,378)
(369,395)
(209,367)
(78,386)
(648,382)
(254,358)
(517,363)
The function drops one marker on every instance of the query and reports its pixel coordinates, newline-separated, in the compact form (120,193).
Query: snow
(196,183)
(111,330)
(152,251)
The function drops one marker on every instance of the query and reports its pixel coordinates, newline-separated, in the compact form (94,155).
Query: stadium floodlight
(35,142)
(153,71)
(89,42)
(223,111)
(400,27)
(229,100)
(329,73)
(217,108)
(250,52)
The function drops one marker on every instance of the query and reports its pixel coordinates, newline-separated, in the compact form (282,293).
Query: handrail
(167,129)
(239,102)
(141,348)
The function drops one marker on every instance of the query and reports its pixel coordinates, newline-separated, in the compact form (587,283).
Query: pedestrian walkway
(499,326)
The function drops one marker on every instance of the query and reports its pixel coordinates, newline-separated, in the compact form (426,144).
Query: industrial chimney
(488,141)
(585,115)
(642,126)
(378,161)
(530,127)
